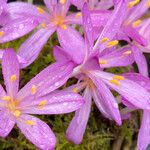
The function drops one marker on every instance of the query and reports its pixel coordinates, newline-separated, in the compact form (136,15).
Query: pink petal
(72,43)
(51,78)
(7,122)
(117,58)
(106,101)
(10,68)
(17,28)
(78,124)
(144,133)
(30,50)
(39,133)
(140,60)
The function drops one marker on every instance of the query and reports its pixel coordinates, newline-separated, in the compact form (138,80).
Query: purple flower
(14,26)
(34,98)
(96,82)
(144,132)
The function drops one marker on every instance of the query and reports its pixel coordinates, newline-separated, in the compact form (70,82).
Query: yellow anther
(40,10)
(115,82)
(64,27)
(42,104)
(63,1)
(30,122)
(103,62)
(148,4)
(75,90)
(112,43)
(17,113)
(43,25)
(105,39)
(136,23)
(33,89)
(1,34)
(133,3)
(78,15)
(6,98)
(117,77)
(128,52)
(13,78)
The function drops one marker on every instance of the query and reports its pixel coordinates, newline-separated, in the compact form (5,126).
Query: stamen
(1,34)
(40,10)
(17,113)
(105,39)
(148,4)
(117,77)
(75,90)
(64,27)
(6,98)
(42,104)
(78,15)
(128,52)
(43,25)
(13,78)
(30,122)
(103,62)
(112,43)
(33,89)
(62,1)
(136,23)
(133,3)
(114,81)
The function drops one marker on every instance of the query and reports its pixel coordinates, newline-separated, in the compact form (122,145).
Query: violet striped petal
(77,127)
(117,58)
(106,100)
(56,103)
(10,70)
(140,60)
(31,48)
(7,122)
(48,80)
(37,132)
(17,28)
(72,43)
(127,88)
(144,133)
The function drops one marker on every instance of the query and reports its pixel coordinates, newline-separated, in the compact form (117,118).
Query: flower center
(59,21)
(12,106)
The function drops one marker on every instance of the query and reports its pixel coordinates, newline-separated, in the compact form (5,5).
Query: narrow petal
(112,26)
(78,4)
(29,11)
(60,55)
(10,70)
(117,58)
(57,103)
(138,78)
(31,48)
(144,133)
(7,123)
(106,100)
(133,34)
(88,27)
(127,88)
(50,4)
(77,127)
(17,28)
(99,17)
(36,131)
(51,78)
(140,60)
(72,43)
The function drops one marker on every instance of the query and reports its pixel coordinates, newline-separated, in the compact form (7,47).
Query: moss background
(101,134)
